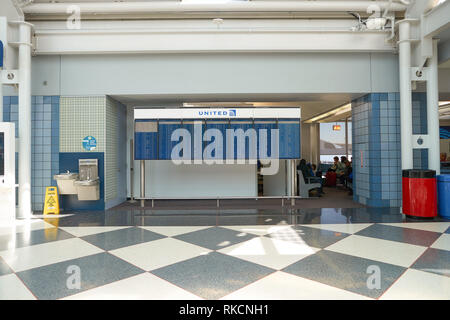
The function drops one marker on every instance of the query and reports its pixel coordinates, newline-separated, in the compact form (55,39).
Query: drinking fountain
(66,182)
(88,185)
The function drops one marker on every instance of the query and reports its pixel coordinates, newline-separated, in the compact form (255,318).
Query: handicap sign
(89,143)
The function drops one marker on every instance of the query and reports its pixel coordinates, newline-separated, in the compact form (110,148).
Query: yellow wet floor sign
(51,204)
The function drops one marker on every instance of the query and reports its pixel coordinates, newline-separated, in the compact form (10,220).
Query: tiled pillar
(45,146)
(45,142)
(376,150)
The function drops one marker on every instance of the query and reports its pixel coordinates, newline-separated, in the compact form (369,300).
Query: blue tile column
(376,150)
(44,143)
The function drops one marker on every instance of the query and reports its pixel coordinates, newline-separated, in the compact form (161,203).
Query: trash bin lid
(444,177)
(418,173)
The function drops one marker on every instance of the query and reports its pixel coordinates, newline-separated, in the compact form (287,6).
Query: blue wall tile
(44,144)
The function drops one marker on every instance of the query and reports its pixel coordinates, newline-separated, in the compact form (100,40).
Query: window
(332,142)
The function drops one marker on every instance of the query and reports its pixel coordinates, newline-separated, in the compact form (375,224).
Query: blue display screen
(217,139)
(444,132)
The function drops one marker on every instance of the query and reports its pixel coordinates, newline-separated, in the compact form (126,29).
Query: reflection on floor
(333,197)
(303,254)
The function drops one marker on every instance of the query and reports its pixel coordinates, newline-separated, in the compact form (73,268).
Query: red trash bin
(419,191)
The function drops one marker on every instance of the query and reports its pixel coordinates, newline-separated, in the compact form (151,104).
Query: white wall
(165,179)
(383,73)
(220,73)
(213,74)
(275,185)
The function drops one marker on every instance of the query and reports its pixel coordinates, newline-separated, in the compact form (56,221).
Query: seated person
(334,165)
(337,167)
(311,171)
(348,176)
(307,175)
(316,172)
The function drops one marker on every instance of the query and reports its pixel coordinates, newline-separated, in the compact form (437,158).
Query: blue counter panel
(146,145)
(165,145)
(196,146)
(146,139)
(241,150)
(289,139)
(222,126)
(157,144)
(266,126)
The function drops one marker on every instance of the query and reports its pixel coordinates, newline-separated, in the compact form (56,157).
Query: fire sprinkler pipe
(405,94)
(433,112)
(233,6)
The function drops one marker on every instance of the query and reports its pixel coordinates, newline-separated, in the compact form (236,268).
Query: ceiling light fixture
(340,110)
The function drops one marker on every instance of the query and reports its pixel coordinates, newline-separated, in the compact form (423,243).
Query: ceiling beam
(437,20)
(101,41)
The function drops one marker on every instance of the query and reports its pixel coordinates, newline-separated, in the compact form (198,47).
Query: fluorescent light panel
(340,110)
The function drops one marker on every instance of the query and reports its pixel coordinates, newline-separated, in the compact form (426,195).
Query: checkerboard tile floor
(314,261)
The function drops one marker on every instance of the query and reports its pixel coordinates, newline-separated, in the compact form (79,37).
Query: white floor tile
(269,252)
(428,226)
(141,287)
(283,286)
(174,231)
(86,231)
(159,253)
(419,285)
(258,230)
(25,258)
(25,226)
(11,288)
(392,252)
(344,228)
(443,242)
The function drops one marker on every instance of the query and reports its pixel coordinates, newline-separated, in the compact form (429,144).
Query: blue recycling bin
(443,186)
